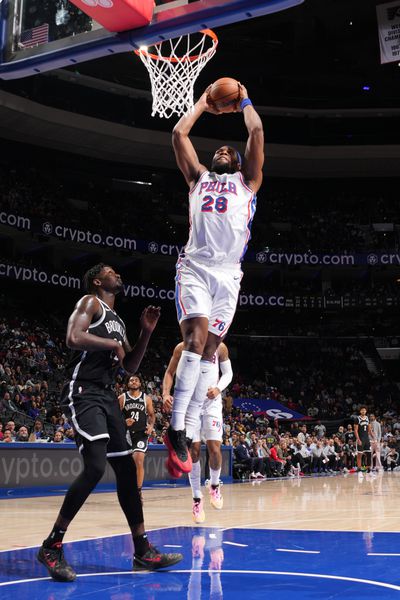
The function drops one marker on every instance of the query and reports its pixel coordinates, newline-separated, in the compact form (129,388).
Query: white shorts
(211,292)
(209,429)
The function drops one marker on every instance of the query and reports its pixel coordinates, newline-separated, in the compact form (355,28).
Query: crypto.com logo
(372,259)
(101,3)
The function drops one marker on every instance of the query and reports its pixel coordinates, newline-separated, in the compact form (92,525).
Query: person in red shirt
(279,462)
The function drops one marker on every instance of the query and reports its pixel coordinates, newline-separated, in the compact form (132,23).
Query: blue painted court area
(235,563)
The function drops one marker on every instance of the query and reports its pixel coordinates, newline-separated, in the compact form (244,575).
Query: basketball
(225,94)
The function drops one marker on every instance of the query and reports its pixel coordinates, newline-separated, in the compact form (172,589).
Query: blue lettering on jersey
(220,187)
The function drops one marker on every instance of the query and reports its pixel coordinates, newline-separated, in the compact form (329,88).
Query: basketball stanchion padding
(118,15)
(173,67)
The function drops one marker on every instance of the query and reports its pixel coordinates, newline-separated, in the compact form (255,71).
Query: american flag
(36,35)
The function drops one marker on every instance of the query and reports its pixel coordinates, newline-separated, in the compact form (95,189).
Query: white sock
(194,479)
(187,374)
(205,380)
(215,584)
(214,476)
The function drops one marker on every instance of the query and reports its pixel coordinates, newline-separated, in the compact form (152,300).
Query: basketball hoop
(174,66)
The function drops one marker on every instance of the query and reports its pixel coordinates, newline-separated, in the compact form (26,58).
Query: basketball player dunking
(138,412)
(222,205)
(209,428)
(97,336)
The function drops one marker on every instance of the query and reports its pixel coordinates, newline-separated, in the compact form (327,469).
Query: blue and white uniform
(209,271)
(210,426)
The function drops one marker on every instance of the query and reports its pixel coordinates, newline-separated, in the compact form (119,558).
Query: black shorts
(139,440)
(94,413)
(365,445)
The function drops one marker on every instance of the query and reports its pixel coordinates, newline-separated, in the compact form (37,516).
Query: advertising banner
(388,16)
(271,408)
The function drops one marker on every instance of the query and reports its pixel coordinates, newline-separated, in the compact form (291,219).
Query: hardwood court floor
(337,503)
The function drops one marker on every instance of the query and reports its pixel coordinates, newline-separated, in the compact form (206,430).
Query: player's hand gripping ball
(224,95)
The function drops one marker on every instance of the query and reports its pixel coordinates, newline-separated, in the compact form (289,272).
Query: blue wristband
(245,102)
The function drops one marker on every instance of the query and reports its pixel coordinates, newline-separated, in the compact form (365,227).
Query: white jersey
(221,209)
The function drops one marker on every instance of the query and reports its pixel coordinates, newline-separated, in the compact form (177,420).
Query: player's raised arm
(148,321)
(186,156)
(254,154)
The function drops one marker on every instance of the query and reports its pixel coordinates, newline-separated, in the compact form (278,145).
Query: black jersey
(362,426)
(349,436)
(135,408)
(98,366)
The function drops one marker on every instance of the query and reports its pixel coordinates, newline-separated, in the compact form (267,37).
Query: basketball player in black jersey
(97,336)
(138,412)
(363,433)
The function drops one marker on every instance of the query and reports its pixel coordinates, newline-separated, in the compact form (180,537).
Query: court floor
(322,537)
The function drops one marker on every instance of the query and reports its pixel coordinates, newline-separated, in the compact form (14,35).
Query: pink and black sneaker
(153,560)
(179,455)
(54,561)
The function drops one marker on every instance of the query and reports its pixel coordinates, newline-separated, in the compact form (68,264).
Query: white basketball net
(174,66)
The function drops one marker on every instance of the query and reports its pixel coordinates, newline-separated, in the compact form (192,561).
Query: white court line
(236,544)
(383,554)
(172,546)
(390,586)
(88,539)
(300,551)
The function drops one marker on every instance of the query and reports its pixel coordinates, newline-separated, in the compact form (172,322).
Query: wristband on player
(245,102)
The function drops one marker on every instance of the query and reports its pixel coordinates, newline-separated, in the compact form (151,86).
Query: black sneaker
(178,450)
(153,560)
(54,561)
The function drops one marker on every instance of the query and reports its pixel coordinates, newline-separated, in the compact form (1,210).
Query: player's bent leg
(51,553)
(194,334)
(138,458)
(146,556)
(194,331)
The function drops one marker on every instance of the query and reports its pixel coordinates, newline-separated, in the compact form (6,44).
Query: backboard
(41,35)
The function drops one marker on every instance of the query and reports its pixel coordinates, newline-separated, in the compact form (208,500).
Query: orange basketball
(225,94)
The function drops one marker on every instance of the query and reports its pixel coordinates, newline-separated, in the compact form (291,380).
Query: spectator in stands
(11,428)
(392,459)
(278,464)
(319,429)
(34,410)
(38,434)
(317,465)
(58,437)
(242,455)
(23,434)
(69,436)
(301,457)
(302,435)
(7,438)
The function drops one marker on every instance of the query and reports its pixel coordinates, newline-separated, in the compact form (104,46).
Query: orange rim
(208,32)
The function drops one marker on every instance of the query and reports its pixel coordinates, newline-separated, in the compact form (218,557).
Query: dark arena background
(87,175)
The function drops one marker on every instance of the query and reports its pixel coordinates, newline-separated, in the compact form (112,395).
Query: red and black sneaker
(54,561)
(179,455)
(153,560)
(172,470)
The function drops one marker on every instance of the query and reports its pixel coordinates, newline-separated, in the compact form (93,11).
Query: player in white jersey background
(208,429)
(222,203)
